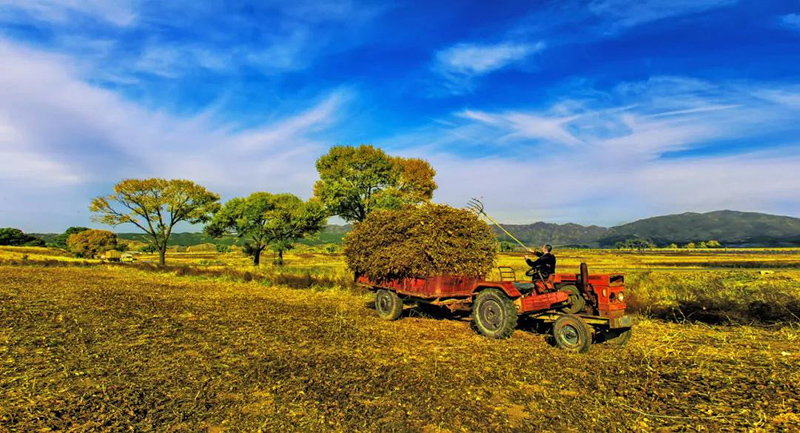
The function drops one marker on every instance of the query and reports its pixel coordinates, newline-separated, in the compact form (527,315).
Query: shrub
(429,239)
(89,243)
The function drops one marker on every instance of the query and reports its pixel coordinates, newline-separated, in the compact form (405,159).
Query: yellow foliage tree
(90,243)
(155,206)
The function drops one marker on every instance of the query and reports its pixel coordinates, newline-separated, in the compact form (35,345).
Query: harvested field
(108,348)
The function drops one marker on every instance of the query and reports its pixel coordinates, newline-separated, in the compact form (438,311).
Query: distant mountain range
(730,228)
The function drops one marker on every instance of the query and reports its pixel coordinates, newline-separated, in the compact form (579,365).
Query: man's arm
(534,263)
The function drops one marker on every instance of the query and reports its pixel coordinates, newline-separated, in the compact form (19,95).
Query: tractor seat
(524,287)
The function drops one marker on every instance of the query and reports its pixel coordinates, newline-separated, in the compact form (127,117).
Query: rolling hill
(731,228)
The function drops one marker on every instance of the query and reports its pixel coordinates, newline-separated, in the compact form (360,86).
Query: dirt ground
(113,348)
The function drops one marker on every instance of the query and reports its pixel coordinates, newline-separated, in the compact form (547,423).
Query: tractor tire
(617,337)
(571,333)
(494,314)
(388,304)
(576,301)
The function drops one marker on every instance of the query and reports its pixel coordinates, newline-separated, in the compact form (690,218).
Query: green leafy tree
(15,237)
(713,244)
(673,246)
(354,181)
(268,220)
(690,245)
(60,241)
(635,244)
(155,206)
(702,245)
(506,246)
(89,243)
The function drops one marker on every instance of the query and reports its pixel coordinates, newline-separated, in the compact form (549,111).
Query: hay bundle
(420,241)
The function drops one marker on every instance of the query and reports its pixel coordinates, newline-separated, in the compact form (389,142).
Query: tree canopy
(264,219)
(89,243)
(354,181)
(60,241)
(15,237)
(155,206)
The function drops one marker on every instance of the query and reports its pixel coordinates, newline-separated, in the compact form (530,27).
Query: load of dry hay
(420,241)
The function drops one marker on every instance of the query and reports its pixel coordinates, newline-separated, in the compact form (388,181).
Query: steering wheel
(532,272)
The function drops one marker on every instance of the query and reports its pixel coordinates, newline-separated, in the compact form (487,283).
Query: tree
(15,237)
(506,246)
(354,181)
(713,244)
(264,219)
(60,241)
(690,245)
(89,243)
(635,244)
(155,206)
(673,246)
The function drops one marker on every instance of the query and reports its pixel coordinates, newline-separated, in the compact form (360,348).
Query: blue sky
(596,112)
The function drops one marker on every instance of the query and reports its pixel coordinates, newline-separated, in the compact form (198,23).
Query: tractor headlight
(621,296)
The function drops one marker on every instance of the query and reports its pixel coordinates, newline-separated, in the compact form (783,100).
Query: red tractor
(581,308)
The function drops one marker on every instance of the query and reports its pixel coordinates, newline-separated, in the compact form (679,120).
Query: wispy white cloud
(57,130)
(472,59)
(118,12)
(461,63)
(791,21)
(626,13)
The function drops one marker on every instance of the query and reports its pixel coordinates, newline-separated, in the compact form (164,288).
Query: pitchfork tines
(476,206)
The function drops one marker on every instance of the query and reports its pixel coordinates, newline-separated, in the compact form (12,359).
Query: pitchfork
(476,206)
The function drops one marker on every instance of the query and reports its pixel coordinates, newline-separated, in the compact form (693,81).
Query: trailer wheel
(572,333)
(576,301)
(494,314)
(388,304)
(617,337)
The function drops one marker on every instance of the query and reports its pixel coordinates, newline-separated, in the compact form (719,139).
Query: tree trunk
(280,258)
(162,252)
(256,257)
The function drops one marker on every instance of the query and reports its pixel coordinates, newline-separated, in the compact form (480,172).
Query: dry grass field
(196,347)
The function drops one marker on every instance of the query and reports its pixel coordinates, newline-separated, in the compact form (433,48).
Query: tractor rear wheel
(388,304)
(572,333)
(576,301)
(494,314)
(617,337)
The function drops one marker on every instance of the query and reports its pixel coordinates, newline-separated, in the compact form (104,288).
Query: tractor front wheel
(388,304)
(494,314)
(572,333)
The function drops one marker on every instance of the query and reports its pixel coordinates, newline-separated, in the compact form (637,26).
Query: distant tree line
(15,237)
(644,244)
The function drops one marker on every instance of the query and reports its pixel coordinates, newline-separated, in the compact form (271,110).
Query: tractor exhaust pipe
(584,277)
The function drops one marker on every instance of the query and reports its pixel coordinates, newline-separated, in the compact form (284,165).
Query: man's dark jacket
(546,263)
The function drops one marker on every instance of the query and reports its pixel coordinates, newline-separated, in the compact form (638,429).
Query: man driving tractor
(545,264)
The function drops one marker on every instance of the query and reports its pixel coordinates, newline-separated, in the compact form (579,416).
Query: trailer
(579,309)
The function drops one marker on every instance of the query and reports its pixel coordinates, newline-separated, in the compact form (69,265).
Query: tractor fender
(507,288)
